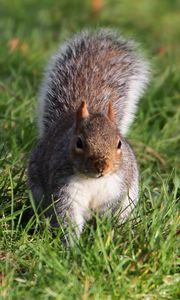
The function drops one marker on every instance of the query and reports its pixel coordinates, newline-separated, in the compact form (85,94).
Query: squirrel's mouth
(93,175)
(97,175)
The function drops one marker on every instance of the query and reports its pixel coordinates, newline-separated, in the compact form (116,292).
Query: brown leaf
(14,44)
(97,6)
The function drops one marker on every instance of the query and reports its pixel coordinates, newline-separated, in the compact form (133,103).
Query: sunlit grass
(140,259)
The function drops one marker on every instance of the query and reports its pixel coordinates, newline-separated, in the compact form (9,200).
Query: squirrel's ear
(110,113)
(82,112)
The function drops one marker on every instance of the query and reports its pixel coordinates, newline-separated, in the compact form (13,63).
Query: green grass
(140,259)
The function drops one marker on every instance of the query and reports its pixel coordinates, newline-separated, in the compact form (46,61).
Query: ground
(140,259)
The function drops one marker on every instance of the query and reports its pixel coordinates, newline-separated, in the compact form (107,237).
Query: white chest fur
(91,194)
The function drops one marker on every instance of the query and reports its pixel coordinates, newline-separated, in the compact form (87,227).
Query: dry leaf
(14,44)
(97,6)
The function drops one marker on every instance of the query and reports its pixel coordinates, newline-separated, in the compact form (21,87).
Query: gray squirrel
(82,163)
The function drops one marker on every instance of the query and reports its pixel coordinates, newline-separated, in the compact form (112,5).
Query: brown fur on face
(94,144)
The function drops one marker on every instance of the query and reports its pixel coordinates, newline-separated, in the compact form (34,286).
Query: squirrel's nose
(101,166)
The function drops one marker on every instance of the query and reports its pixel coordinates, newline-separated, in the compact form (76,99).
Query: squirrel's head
(95,147)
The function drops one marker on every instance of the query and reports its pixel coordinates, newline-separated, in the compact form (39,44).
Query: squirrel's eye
(119,145)
(79,143)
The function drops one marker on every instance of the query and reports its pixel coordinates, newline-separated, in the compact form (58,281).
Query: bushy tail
(81,68)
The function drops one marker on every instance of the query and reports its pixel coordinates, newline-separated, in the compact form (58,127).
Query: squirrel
(88,98)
